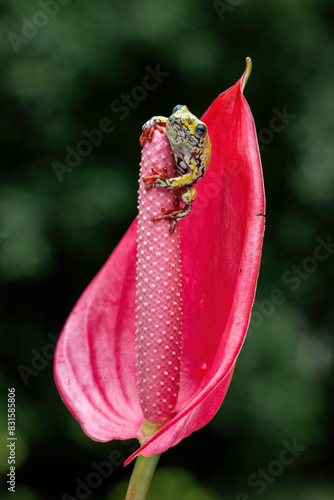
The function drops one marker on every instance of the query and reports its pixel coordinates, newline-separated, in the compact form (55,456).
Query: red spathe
(221,241)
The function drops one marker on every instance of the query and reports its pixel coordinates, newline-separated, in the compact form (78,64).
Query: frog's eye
(200,130)
(177,107)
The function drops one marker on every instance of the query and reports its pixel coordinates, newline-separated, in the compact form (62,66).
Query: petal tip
(130,459)
(246,74)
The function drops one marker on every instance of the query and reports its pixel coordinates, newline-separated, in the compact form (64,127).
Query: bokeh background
(63,72)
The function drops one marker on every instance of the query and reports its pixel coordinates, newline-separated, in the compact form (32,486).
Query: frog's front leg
(151,180)
(154,123)
(162,179)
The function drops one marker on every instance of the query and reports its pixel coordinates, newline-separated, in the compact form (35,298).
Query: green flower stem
(141,477)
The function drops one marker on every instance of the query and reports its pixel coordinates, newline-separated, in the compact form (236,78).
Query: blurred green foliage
(68,74)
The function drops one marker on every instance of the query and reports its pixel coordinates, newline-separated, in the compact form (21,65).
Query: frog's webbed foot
(153,180)
(173,214)
(155,123)
(176,206)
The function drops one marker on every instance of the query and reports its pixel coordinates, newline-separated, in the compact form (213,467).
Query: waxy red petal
(221,244)
(95,355)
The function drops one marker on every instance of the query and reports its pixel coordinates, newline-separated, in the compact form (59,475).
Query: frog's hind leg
(187,195)
(176,213)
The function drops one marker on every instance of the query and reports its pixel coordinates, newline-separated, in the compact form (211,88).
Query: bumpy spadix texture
(221,240)
(159,311)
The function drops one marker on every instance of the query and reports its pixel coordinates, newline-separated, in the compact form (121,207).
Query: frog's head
(184,131)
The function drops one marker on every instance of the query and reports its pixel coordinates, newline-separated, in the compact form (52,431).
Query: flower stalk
(141,477)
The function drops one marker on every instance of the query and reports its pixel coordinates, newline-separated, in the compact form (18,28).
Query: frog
(190,145)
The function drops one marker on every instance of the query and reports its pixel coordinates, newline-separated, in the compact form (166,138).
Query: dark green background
(55,235)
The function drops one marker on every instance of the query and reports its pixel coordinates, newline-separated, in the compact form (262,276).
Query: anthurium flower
(220,247)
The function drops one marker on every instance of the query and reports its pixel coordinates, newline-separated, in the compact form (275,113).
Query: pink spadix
(159,302)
